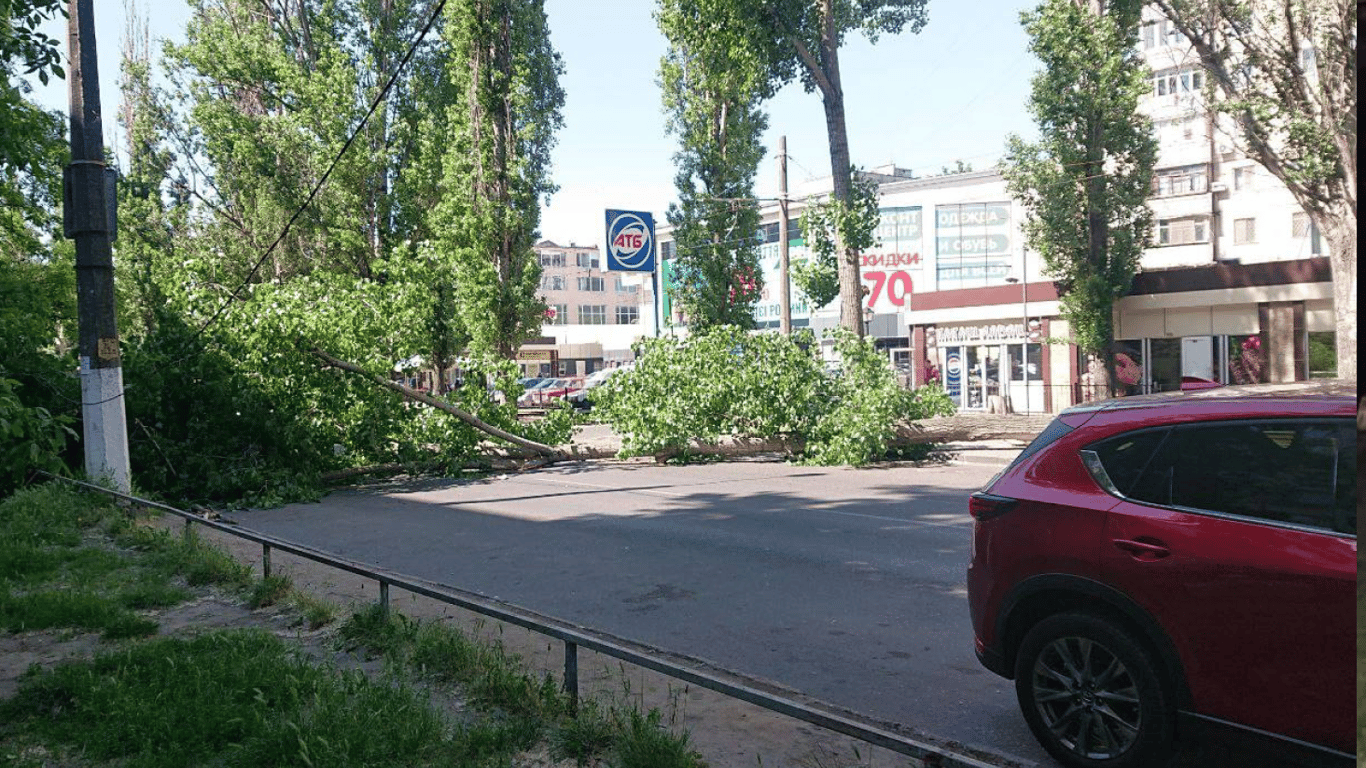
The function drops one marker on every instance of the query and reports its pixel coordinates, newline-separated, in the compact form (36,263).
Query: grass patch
(50,609)
(268,591)
(314,612)
(236,698)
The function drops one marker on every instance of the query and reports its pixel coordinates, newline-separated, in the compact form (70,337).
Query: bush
(31,438)
(727,382)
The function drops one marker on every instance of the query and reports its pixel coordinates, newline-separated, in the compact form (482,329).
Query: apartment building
(593,318)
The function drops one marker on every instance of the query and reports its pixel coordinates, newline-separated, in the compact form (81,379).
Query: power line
(374,104)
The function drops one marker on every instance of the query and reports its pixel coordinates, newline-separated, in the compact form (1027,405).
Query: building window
(1180,181)
(552,283)
(1184,231)
(557,314)
(1150,34)
(1173,82)
(592,314)
(1244,231)
(622,287)
(1302,226)
(628,315)
(1242,177)
(666,249)
(589,260)
(591,284)
(552,259)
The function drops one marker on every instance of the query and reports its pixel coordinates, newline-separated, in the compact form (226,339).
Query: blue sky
(923,101)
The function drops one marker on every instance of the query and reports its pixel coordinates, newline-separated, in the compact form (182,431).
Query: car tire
(1092,695)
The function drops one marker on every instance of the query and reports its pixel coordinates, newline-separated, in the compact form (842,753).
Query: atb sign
(630,241)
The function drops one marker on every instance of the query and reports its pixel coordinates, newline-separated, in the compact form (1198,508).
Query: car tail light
(985,506)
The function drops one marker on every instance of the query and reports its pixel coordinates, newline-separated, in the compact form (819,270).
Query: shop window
(1247,360)
(1129,367)
(592,314)
(1028,367)
(1323,355)
(1244,231)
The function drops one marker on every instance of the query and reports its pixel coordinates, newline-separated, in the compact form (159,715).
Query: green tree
(714,110)
(825,225)
(1085,183)
(800,40)
(1285,75)
(496,168)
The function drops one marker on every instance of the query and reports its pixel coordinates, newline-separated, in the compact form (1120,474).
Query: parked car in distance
(1178,566)
(545,392)
(582,399)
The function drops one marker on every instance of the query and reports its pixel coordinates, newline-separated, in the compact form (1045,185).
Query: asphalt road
(847,585)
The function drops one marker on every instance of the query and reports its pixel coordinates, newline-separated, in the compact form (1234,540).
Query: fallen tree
(412,394)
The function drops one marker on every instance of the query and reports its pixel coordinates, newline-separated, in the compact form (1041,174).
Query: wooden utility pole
(89,218)
(783,259)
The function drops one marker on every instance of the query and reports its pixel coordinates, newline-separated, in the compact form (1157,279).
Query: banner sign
(630,241)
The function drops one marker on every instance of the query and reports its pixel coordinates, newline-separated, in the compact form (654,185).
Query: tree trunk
(851,294)
(1341,233)
(421,397)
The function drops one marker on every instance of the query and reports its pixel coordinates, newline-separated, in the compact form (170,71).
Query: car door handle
(1143,550)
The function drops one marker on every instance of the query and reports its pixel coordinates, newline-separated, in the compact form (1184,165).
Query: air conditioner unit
(1218,186)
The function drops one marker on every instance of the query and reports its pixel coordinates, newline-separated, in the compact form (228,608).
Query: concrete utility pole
(783,258)
(89,208)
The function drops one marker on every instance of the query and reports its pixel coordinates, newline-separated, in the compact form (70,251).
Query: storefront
(993,367)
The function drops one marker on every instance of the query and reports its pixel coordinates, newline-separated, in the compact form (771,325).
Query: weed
(269,591)
(316,612)
(142,595)
(643,743)
(585,736)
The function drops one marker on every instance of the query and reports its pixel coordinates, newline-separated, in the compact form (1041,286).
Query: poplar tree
(496,167)
(1085,183)
(800,40)
(714,111)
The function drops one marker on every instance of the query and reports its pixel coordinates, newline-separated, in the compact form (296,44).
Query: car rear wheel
(1092,695)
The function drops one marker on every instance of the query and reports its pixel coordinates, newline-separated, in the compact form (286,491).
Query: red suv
(1166,565)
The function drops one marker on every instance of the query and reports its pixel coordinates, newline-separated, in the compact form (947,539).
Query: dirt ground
(727,732)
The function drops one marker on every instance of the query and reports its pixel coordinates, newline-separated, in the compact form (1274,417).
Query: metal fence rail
(687,669)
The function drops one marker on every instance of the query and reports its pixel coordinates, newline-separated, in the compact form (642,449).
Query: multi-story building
(1236,287)
(594,316)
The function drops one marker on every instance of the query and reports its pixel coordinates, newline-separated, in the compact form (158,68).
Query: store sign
(972,244)
(970,334)
(535,355)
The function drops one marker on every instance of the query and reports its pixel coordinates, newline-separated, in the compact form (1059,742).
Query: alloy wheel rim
(1087,698)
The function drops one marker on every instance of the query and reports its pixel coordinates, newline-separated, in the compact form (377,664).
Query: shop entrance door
(1197,357)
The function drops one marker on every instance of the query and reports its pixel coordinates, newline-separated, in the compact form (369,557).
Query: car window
(1281,470)
(1126,456)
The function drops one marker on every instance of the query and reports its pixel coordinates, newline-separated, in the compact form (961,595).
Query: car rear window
(1126,456)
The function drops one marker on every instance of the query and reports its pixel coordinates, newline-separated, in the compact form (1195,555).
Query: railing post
(571,675)
(384,597)
(188,523)
(265,560)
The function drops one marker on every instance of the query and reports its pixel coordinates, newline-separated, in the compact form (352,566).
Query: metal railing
(687,669)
